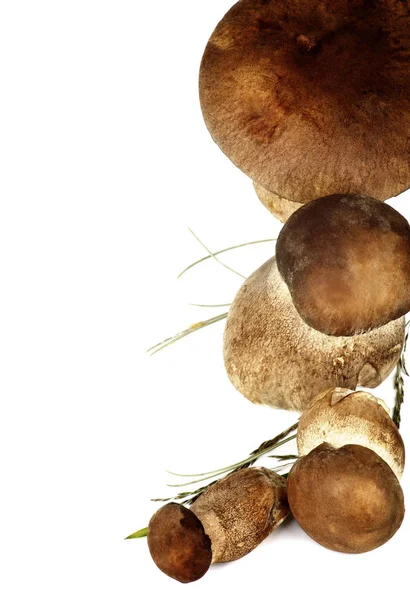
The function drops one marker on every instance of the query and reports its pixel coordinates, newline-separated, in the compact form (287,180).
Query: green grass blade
(200,325)
(210,305)
(214,254)
(138,534)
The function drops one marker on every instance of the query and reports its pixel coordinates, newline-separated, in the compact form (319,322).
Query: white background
(105,161)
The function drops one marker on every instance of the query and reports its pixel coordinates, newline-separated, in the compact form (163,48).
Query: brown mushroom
(312,98)
(340,416)
(226,522)
(347,499)
(178,543)
(346,262)
(273,357)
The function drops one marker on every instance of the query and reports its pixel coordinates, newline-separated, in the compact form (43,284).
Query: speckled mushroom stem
(236,528)
(274,358)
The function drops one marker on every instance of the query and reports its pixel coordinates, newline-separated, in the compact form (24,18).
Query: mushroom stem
(280,207)
(274,358)
(341,416)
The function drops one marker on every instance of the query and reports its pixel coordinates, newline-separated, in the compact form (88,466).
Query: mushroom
(310,99)
(273,357)
(340,416)
(226,522)
(346,262)
(347,499)
(178,543)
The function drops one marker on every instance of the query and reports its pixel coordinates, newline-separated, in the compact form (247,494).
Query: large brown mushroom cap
(178,543)
(346,261)
(273,357)
(312,98)
(241,510)
(347,499)
(340,416)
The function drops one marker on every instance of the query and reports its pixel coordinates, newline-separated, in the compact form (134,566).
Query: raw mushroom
(340,416)
(178,543)
(226,522)
(312,98)
(347,499)
(273,357)
(346,261)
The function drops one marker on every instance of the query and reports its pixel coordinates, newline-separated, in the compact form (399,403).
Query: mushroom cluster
(312,101)
(311,98)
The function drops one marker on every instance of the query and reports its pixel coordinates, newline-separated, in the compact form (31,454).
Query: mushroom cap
(278,206)
(340,416)
(273,357)
(178,543)
(241,510)
(346,261)
(346,499)
(312,98)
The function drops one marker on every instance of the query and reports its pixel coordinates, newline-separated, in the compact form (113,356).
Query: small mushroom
(226,522)
(340,416)
(312,98)
(347,499)
(178,543)
(346,262)
(273,357)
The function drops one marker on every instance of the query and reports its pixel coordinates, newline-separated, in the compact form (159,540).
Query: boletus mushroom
(312,98)
(226,522)
(348,499)
(274,358)
(339,416)
(346,261)
(327,312)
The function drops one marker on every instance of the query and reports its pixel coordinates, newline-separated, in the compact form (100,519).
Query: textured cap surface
(312,98)
(346,499)
(346,261)
(178,543)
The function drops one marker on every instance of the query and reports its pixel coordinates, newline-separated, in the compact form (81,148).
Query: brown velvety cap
(346,262)
(312,98)
(346,499)
(178,543)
